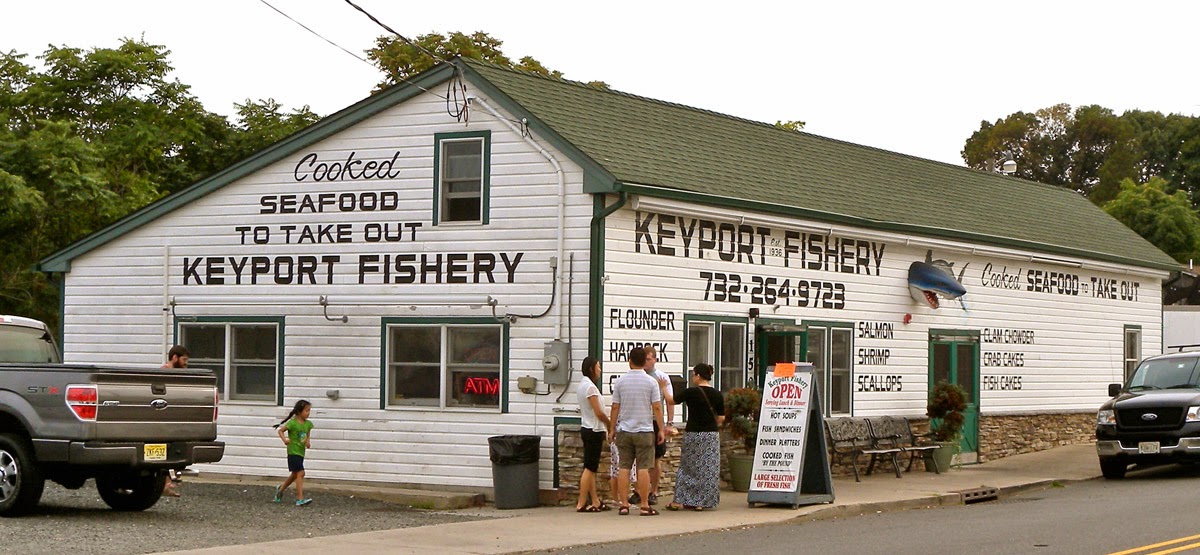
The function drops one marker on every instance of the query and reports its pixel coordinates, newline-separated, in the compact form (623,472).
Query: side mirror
(1114,389)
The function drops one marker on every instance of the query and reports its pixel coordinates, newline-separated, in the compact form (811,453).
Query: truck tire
(130,491)
(21,481)
(1113,469)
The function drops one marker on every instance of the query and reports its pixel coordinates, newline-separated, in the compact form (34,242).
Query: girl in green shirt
(295,435)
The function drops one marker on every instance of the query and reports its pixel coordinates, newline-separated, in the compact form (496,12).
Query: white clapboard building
(430,266)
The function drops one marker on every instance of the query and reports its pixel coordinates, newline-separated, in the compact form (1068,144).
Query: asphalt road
(207,515)
(1149,507)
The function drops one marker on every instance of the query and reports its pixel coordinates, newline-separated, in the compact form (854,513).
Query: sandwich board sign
(791,464)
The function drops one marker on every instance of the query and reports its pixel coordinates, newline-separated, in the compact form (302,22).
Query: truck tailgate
(155,406)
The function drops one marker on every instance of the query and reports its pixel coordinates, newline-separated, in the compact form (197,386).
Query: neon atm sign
(481,386)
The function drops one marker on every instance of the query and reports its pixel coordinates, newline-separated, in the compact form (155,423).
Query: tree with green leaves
(400,59)
(94,135)
(1166,220)
(790,125)
(1091,149)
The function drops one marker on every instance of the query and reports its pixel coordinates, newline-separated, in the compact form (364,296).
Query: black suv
(1155,418)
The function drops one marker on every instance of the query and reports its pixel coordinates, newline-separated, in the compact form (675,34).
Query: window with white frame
(245,356)
(830,350)
(461,177)
(444,364)
(1133,349)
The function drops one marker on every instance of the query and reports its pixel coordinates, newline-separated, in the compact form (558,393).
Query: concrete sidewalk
(556,527)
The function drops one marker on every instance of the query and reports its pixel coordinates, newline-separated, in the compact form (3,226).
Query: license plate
(1148,447)
(158,452)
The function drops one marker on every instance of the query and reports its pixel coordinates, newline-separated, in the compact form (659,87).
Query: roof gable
(330,125)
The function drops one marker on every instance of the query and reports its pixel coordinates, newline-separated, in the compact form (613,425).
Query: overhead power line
(356,56)
(456,89)
(306,28)
(393,31)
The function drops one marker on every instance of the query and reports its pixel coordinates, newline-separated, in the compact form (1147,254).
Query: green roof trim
(663,149)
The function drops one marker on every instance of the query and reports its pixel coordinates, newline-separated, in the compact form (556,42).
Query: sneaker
(278,495)
(635,499)
(303,502)
(653,498)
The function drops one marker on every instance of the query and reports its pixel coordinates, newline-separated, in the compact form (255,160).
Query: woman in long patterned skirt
(698,481)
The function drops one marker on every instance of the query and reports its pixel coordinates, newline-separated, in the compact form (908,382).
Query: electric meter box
(556,363)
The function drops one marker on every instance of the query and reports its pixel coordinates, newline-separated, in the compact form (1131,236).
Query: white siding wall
(1077,339)
(116,311)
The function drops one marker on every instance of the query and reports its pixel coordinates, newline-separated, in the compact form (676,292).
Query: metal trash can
(515,470)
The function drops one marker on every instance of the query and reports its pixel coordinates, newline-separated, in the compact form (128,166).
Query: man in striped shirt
(637,406)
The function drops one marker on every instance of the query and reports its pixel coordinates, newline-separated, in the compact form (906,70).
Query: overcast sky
(912,77)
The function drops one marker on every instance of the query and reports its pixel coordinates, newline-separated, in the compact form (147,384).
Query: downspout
(167,308)
(562,208)
(596,270)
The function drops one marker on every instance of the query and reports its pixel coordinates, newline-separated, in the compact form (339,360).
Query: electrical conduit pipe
(562,205)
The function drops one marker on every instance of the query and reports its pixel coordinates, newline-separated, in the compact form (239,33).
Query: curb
(938,500)
(414,498)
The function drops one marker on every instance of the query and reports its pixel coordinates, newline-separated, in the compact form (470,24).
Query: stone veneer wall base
(999,436)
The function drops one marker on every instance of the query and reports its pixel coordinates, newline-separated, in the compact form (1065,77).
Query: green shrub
(742,411)
(947,402)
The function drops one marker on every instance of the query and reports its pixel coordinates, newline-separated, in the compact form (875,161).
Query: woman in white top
(592,427)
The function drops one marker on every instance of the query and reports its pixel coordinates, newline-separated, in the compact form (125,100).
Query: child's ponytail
(300,405)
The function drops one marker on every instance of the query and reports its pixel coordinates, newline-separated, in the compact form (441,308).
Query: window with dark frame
(830,349)
(732,369)
(444,365)
(1133,350)
(461,180)
(721,344)
(243,356)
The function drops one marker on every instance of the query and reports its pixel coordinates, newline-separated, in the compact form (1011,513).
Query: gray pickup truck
(68,423)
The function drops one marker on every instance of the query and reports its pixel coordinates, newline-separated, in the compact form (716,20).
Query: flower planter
(942,458)
(740,469)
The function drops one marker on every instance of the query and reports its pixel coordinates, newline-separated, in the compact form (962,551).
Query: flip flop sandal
(674,506)
(647,512)
(588,509)
(604,508)
(623,511)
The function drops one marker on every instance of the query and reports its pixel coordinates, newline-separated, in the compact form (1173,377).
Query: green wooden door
(955,359)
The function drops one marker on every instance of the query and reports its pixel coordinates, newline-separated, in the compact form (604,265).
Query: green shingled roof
(627,143)
(729,161)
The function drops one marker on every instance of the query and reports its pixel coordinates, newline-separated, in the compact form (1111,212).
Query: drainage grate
(1012,500)
(982,493)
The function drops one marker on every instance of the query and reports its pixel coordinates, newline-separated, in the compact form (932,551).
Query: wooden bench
(894,432)
(851,437)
